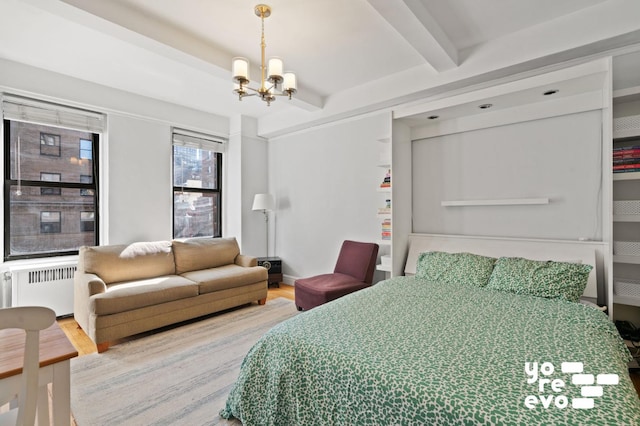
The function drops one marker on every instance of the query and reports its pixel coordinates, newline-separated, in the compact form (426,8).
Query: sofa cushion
(203,253)
(127,296)
(130,262)
(227,276)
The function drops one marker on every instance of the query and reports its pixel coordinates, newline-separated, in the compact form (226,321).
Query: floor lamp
(265,203)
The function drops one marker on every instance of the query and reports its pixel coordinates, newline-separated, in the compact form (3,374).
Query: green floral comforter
(411,352)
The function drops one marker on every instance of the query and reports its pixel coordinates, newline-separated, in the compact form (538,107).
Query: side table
(274,266)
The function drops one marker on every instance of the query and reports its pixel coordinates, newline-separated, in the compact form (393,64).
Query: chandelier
(280,84)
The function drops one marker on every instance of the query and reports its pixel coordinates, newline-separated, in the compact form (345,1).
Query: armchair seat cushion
(130,295)
(314,291)
(225,277)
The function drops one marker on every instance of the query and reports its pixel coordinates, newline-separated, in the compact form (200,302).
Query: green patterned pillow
(553,280)
(449,268)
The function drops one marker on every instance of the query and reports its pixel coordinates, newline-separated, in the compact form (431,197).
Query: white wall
(558,158)
(246,164)
(324,181)
(140,201)
(136,179)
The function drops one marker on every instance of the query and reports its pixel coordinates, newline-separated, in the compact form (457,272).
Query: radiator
(50,286)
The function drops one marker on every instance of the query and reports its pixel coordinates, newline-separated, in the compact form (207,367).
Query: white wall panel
(558,158)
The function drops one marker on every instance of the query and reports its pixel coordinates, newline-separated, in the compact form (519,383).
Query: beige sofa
(121,290)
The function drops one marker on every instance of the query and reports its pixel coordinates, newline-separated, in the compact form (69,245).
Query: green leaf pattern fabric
(413,352)
(540,278)
(455,268)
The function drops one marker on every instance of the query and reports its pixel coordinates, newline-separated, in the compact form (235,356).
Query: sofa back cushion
(116,263)
(203,253)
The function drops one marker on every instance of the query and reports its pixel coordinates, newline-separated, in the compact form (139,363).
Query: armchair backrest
(358,260)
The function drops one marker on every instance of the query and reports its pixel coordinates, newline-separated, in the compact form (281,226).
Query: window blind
(197,140)
(18,108)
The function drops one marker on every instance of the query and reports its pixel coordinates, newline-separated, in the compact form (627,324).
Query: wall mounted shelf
(502,202)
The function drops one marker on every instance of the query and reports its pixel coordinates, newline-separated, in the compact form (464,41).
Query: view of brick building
(52,198)
(195,212)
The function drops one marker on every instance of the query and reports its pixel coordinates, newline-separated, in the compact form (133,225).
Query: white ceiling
(350,56)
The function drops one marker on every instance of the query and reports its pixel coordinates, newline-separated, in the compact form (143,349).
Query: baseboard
(289,280)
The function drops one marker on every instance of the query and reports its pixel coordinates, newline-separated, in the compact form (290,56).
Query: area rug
(179,376)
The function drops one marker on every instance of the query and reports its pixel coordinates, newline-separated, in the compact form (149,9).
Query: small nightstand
(274,266)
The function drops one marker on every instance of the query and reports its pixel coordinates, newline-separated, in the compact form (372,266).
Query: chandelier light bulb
(275,69)
(240,69)
(289,82)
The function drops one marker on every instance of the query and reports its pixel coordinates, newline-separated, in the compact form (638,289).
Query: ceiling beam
(419,28)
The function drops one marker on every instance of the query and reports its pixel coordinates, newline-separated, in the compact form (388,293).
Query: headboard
(536,249)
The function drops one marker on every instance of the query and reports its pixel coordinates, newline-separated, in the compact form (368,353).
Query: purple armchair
(354,271)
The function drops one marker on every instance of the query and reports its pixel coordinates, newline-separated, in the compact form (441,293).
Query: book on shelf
(386,182)
(625,148)
(626,166)
(627,170)
(384,210)
(626,153)
(626,160)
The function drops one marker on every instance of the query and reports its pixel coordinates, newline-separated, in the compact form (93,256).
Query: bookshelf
(626,211)
(384,212)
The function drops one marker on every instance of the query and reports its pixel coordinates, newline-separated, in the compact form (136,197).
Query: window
(86,179)
(49,177)
(50,222)
(49,144)
(50,193)
(86,150)
(197,179)
(87,223)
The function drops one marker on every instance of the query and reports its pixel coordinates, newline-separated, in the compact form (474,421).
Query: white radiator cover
(47,285)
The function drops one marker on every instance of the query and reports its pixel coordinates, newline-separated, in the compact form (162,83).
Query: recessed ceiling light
(433,117)
(485,106)
(550,92)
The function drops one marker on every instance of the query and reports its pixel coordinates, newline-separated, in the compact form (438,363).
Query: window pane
(87,223)
(195,168)
(86,151)
(42,224)
(28,143)
(49,144)
(195,214)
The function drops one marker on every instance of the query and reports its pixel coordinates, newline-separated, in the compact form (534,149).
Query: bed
(414,350)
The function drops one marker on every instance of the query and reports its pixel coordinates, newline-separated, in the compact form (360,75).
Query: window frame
(218,190)
(9,182)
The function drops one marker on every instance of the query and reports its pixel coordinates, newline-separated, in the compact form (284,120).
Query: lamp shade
(263,202)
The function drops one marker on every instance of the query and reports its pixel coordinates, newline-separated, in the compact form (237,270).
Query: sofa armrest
(85,286)
(246,261)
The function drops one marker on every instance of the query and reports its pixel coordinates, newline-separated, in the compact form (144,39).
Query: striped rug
(178,376)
